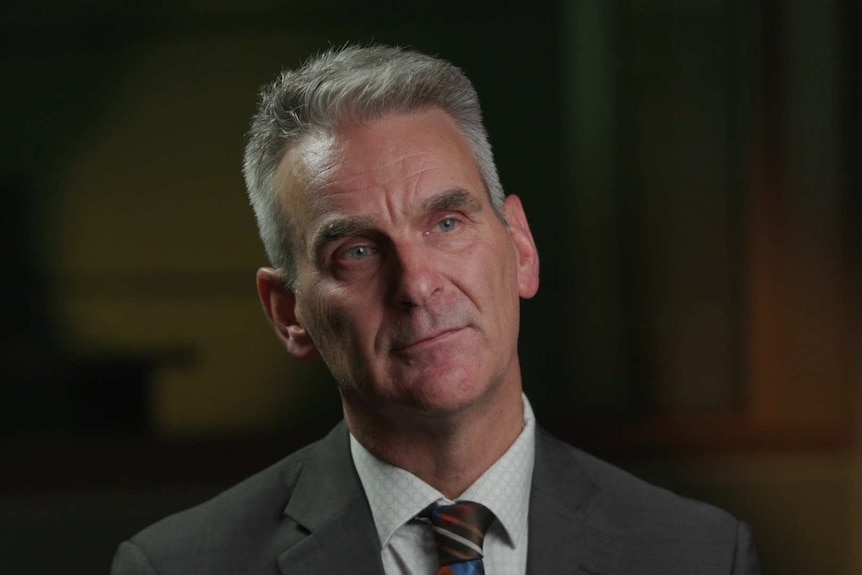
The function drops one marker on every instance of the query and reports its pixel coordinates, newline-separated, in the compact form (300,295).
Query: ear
(528,255)
(279,305)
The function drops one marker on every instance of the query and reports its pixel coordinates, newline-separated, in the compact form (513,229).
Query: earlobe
(528,255)
(279,305)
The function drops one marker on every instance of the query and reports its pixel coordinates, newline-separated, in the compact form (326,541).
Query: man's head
(351,85)
(406,271)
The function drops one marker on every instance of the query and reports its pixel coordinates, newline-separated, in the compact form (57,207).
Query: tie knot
(459,530)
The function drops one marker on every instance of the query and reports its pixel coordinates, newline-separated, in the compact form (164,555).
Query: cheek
(323,320)
(336,325)
(502,288)
(497,271)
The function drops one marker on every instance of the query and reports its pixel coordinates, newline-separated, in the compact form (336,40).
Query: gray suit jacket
(308,515)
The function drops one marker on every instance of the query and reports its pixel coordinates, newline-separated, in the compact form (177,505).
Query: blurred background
(691,171)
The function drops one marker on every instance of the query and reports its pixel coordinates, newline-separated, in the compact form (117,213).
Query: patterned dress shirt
(396,496)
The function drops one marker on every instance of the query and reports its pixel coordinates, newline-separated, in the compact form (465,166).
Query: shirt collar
(396,496)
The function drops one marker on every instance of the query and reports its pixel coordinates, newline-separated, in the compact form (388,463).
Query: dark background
(690,171)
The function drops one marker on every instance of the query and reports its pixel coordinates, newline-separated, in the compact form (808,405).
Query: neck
(447,451)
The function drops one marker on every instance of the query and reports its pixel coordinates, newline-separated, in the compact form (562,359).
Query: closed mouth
(429,340)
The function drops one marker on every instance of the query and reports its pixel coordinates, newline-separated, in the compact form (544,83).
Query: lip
(431,340)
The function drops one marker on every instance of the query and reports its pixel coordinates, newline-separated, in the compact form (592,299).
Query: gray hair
(358,84)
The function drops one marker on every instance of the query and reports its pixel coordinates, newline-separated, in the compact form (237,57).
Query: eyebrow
(454,199)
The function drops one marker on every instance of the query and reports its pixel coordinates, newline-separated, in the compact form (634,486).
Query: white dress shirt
(396,496)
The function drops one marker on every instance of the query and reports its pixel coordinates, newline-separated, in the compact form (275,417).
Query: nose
(415,275)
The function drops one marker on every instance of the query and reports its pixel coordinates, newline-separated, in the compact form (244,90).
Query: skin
(408,287)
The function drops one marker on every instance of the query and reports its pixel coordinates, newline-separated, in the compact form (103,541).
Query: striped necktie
(459,531)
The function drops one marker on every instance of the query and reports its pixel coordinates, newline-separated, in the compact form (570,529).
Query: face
(408,282)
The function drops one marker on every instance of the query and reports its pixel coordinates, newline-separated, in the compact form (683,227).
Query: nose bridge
(415,276)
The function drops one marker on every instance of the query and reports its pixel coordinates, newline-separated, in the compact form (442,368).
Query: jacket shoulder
(627,499)
(235,531)
(655,526)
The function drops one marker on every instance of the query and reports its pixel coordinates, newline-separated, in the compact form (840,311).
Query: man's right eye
(355,253)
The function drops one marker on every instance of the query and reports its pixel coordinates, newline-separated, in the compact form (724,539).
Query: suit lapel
(563,500)
(334,529)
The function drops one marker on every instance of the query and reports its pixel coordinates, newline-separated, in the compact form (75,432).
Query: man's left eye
(447,224)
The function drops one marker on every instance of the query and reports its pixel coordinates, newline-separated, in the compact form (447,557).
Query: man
(399,260)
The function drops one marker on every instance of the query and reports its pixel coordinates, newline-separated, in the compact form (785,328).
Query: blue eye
(447,224)
(357,252)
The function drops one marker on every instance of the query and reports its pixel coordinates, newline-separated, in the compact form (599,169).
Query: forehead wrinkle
(316,160)
(321,177)
(345,175)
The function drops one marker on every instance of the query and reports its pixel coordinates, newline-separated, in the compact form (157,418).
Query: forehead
(385,165)
(394,145)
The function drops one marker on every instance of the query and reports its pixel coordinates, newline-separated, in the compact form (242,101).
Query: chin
(444,391)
